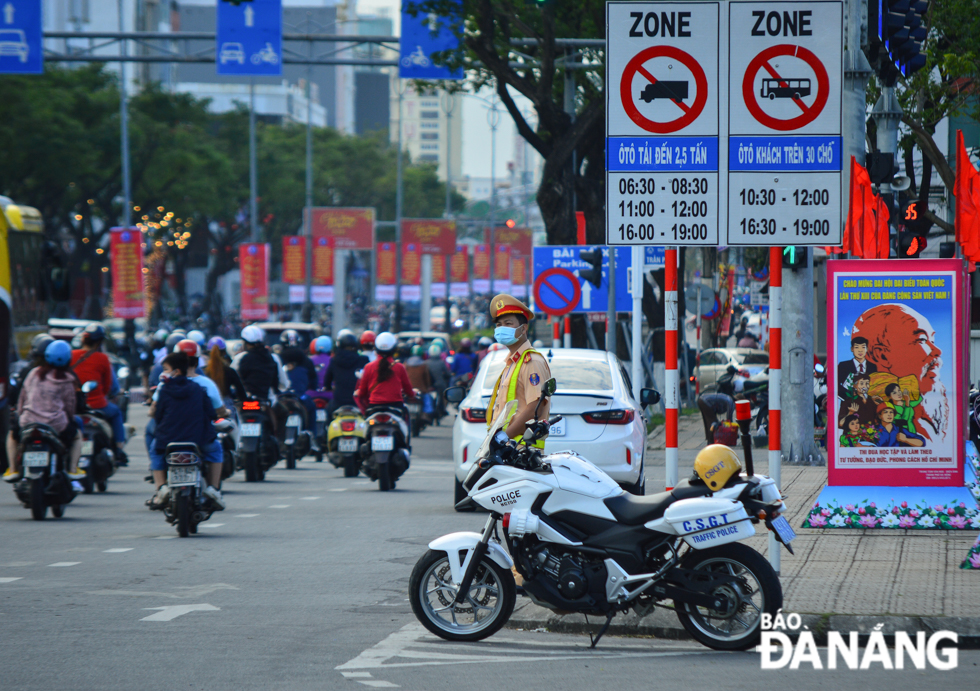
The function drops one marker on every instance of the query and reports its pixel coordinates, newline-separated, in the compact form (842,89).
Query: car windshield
(753,359)
(577,374)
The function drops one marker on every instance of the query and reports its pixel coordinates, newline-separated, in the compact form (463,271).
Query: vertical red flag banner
(519,240)
(518,277)
(438,269)
(351,229)
(253,263)
(481,269)
(386,264)
(967,191)
(411,264)
(459,272)
(501,263)
(126,251)
(323,261)
(432,235)
(294,259)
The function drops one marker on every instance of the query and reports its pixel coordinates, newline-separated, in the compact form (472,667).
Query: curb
(662,623)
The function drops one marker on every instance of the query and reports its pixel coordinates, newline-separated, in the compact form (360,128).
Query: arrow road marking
(8,13)
(173,611)
(249,16)
(10,579)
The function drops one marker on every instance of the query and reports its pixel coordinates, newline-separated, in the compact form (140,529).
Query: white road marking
(309,498)
(354,675)
(10,579)
(377,683)
(416,647)
(117,550)
(165,537)
(19,563)
(280,506)
(181,593)
(246,515)
(173,611)
(339,489)
(212,525)
(65,563)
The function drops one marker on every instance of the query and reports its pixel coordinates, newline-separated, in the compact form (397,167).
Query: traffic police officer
(526,370)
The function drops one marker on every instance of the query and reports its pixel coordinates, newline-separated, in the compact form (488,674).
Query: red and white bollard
(671,380)
(568,332)
(555,335)
(775,375)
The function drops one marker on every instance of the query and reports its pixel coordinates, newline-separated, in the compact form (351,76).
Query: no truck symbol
(676,91)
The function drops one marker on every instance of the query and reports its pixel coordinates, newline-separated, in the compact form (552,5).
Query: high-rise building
(429,133)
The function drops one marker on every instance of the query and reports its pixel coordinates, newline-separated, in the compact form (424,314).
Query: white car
(600,419)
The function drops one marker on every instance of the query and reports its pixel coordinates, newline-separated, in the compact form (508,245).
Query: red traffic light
(511,223)
(916,246)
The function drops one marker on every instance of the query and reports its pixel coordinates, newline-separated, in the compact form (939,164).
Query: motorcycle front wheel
(486,608)
(756,590)
(183,515)
(39,509)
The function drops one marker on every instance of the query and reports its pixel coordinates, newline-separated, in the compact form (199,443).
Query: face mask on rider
(506,335)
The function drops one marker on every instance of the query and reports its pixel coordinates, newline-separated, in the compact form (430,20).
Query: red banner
(294,259)
(253,263)
(411,265)
(351,229)
(126,251)
(438,269)
(386,264)
(519,240)
(432,235)
(323,261)
(501,263)
(518,270)
(459,265)
(481,262)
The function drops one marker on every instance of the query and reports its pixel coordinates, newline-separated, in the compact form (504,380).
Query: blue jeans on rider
(212,454)
(114,417)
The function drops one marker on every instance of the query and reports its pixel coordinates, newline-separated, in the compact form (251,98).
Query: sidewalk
(849,579)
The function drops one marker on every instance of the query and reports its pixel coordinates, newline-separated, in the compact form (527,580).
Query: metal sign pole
(398,216)
(253,175)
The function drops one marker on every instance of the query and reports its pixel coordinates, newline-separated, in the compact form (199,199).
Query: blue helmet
(323,344)
(58,354)
(217,341)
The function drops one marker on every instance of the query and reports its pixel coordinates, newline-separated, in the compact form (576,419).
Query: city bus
(794,88)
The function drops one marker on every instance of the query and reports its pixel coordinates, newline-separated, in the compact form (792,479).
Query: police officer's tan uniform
(526,371)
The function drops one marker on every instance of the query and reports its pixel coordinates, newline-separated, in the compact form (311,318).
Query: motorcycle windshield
(498,424)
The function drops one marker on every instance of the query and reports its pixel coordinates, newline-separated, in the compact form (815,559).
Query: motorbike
(320,428)
(344,438)
(258,446)
(297,440)
(582,544)
(97,459)
(228,438)
(417,416)
(45,483)
(385,451)
(186,504)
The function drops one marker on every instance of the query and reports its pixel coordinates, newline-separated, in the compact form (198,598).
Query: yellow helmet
(716,464)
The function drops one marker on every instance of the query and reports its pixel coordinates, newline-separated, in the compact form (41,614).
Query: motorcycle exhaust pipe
(743,414)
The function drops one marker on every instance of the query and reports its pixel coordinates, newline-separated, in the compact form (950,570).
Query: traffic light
(912,240)
(910,245)
(901,31)
(794,257)
(881,166)
(593,275)
(510,223)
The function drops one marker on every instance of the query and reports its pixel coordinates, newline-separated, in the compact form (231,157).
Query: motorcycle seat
(345,410)
(630,509)
(224,425)
(181,446)
(686,490)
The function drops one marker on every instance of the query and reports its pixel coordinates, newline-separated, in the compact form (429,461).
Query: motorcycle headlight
(123,373)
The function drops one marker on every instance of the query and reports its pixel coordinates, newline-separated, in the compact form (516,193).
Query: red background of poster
(501,263)
(459,266)
(411,265)
(518,270)
(519,240)
(294,259)
(322,261)
(386,264)
(432,235)
(481,262)
(438,269)
(126,251)
(253,262)
(351,229)
(900,477)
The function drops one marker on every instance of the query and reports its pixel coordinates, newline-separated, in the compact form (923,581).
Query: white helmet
(385,342)
(197,336)
(253,334)
(344,332)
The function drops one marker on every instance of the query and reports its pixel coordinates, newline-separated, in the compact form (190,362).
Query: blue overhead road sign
(421,36)
(249,38)
(21,38)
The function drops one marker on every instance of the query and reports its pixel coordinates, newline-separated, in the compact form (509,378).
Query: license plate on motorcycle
(414,408)
(350,445)
(321,416)
(35,459)
(251,429)
(84,462)
(88,447)
(557,429)
(292,421)
(382,443)
(179,477)
(784,530)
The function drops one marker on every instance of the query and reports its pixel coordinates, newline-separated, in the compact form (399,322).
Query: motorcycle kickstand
(602,631)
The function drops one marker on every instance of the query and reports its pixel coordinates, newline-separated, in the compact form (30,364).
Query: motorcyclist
(198,337)
(464,362)
(341,375)
(90,364)
(261,371)
(367,345)
(321,346)
(482,348)
(440,375)
(418,372)
(220,371)
(296,362)
(385,382)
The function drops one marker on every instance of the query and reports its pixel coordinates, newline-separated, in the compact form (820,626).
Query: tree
(572,146)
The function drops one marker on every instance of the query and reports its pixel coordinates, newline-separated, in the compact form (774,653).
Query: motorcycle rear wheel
(351,466)
(251,463)
(431,594)
(758,591)
(291,457)
(102,486)
(183,515)
(384,476)
(39,509)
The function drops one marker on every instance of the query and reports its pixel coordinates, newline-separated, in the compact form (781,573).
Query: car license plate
(382,443)
(557,429)
(251,429)
(350,445)
(84,462)
(35,459)
(88,447)
(177,477)
(783,529)
(292,421)
(321,416)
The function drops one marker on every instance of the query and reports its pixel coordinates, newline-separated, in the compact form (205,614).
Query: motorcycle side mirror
(455,394)
(649,396)
(550,387)
(732,369)
(89,386)
(818,368)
